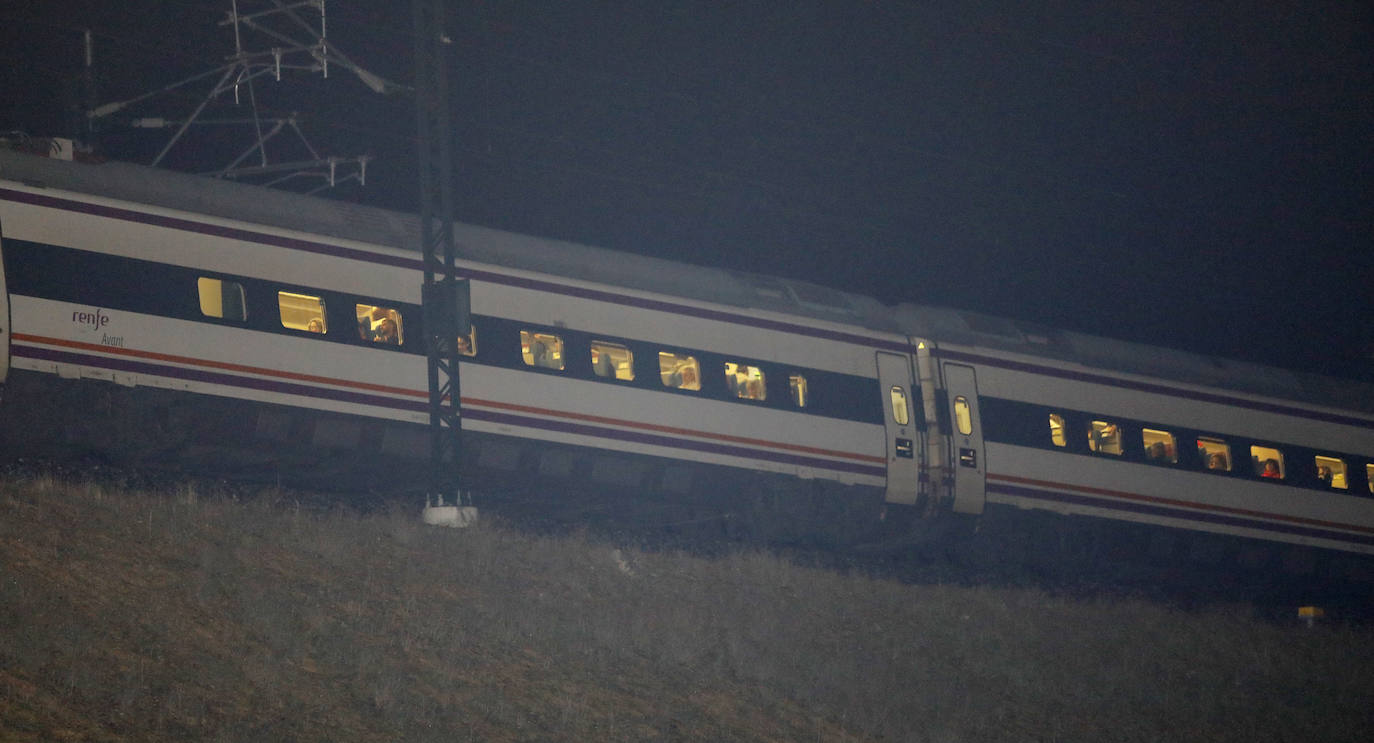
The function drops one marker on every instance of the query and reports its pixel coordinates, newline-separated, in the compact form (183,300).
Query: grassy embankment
(137,616)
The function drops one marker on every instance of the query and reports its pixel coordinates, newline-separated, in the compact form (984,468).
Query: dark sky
(1164,172)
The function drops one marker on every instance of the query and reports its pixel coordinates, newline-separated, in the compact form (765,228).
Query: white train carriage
(113,277)
(151,311)
(1035,427)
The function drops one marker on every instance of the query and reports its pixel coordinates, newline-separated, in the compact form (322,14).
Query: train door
(895,382)
(4,317)
(966,432)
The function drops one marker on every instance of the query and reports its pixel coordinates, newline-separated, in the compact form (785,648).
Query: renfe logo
(96,320)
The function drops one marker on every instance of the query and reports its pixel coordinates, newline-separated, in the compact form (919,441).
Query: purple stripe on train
(1079,499)
(469,413)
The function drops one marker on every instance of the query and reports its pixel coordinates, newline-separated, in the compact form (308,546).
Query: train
(151,316)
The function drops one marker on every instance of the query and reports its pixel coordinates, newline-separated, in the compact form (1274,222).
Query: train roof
(342,220)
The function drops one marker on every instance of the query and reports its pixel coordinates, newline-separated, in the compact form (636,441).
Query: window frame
(1159,436)
(1343,477)
(370,316)
(688,361)
(899,405)
(747,389)
(558,352)
(594,351)
(1059,437)
(1218,445)
(201,282)
(1259,462)
(1096,445)
(303,327)
(798,393)
(963,416)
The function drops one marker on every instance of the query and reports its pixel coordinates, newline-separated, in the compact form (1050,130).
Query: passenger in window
(1157,451)
(1104,439)
(683,378)
(539,353)
(386,332)
(1324,474)
(1271,469)
(603,366)
(1217,461)
(754,389)
(370,325)
(315,325)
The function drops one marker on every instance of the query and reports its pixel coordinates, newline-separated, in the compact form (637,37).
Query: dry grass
(185,616)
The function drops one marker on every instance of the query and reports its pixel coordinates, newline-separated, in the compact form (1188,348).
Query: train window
(223,299)
(379,324)
(899,408)
(796,384)
(680,372)
(1057,430)
(1331,471)
(1214,454)
(612,360)
(302,312)
(1159,445)
(1267,462)
(544,350)
(746,382)
(1369,476)
(1104,437)
(963,419)
(467,344)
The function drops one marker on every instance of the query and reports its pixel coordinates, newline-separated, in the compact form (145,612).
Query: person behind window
(386,332)
(1324,474)
(1216,461)
(539,353)
(315,325)
(1157,451)
(685,377)
(604,367)
(1271,469)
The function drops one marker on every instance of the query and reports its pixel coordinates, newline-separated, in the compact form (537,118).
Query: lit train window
(1057,430)
(1104,437)
(1214,454)
(1159,445)
(467,344)
(796,384)
(680,372)
(963,419)
(1369,476)
(1331,471)
(1267,462)
(899,408)
(380,324)
(745,381)
(302,312)
(543,350)
(222,299)
(612,360)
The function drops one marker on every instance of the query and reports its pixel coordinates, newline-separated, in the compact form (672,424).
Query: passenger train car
(152,316)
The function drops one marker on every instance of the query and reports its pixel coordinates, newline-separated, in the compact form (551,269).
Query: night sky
(1167,173)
